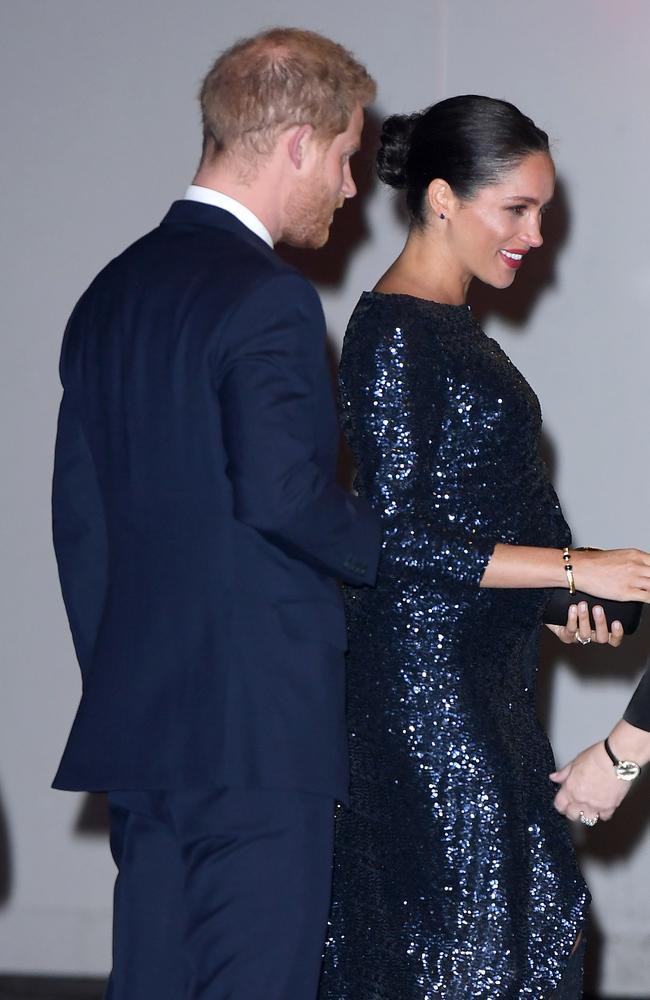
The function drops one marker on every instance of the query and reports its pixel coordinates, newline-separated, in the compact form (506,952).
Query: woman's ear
(440,198)
(297,146)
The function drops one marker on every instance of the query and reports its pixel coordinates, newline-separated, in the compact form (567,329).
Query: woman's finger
(584,623)
(616,635)
(567,633)
(601,632)
(572,618)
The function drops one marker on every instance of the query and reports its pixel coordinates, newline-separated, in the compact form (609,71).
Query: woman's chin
(503,280)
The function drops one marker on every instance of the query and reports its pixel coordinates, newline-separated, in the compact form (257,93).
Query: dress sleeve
(394,400)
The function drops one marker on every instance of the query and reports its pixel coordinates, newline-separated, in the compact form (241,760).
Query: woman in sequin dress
(454,875)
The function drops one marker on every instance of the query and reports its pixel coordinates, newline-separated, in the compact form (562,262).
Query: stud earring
(442,215)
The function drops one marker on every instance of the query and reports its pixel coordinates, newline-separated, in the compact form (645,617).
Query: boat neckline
(418,298)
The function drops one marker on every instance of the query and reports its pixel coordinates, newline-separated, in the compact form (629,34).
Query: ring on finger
(584,641)
(589,820)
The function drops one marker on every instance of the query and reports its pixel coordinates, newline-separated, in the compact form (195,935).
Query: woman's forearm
(524,566)
(617,574)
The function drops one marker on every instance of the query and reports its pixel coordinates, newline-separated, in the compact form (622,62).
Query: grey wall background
(99,131)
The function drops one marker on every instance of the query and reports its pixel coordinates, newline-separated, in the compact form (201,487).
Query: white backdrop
(99,132)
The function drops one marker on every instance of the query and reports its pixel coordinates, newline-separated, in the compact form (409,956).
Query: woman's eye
(518,209)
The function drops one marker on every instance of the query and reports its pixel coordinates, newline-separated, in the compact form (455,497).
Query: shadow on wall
(6,874)
(93,817)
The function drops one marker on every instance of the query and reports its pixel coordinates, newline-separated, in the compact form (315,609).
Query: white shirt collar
(211,197)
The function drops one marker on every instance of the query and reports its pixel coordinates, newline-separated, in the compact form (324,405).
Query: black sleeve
(637,712)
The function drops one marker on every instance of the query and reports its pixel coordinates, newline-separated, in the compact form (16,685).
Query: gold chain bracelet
(568,569)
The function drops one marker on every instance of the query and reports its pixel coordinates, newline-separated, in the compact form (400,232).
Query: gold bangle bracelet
(568,569)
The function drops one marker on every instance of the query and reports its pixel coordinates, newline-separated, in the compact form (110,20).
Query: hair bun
(394,149)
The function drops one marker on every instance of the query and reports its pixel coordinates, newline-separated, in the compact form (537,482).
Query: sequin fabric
(454,875)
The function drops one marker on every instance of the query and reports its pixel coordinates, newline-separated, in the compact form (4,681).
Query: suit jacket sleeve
(275,373)
(637,712)
(79,532)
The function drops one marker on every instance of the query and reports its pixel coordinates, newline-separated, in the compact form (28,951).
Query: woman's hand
(578,627)
(617,574)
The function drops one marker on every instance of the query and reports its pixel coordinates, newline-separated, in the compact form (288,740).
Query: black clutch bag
(628,613)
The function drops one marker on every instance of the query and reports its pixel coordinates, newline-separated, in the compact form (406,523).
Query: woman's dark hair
(469,141)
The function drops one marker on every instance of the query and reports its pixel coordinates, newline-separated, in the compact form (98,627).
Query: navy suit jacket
(198,528)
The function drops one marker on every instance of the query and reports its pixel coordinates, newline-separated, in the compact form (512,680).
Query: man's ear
(299,139)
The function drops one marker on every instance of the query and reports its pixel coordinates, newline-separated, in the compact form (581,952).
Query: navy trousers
(220,894)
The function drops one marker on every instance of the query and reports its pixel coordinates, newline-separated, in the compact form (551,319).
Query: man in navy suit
(200,536)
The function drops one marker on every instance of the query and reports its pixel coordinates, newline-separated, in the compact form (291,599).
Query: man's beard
(309,215)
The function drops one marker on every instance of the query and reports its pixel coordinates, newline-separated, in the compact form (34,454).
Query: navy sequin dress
(454,875)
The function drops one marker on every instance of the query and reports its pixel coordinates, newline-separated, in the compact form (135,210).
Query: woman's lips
(513,258)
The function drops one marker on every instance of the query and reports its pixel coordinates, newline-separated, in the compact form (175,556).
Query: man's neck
(218,199)
(260,196)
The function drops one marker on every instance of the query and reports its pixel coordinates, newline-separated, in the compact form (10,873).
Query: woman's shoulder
(391,316)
